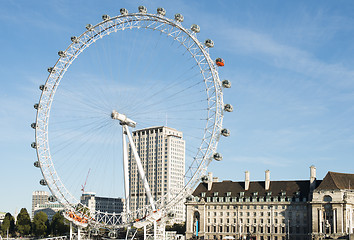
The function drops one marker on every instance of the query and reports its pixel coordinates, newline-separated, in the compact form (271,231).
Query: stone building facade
(332,207)
(270,210)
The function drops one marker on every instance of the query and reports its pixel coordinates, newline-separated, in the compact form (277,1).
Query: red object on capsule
(220,62)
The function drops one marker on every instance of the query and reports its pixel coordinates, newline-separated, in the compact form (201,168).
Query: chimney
(267,180)
(312,178)
(210,180)
(247,180)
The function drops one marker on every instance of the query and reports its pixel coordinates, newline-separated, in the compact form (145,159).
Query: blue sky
(291,65)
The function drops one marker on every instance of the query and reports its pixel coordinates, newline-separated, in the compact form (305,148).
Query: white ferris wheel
(142,70)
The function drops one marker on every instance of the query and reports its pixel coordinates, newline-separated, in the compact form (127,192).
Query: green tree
(8,225)
(23,224)
(58,225)
(39,226)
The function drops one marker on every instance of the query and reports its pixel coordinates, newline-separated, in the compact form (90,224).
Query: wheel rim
(213,89)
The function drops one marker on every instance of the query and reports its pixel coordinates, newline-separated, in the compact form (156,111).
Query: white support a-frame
(140,168)
(126,123)
(126,172)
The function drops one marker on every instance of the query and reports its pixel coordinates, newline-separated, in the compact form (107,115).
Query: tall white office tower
(162,154)
(38,198)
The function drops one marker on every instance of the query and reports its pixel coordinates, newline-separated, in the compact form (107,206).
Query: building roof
(276,188)
(154,127)
(335,181)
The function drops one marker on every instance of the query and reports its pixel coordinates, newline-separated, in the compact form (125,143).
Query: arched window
(196,222)
(327,198)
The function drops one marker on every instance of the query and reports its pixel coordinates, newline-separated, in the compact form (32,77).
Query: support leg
(126,172)
(144,232)
(155,229)
(71,230)
(78,233)
(140,168)
(126,235)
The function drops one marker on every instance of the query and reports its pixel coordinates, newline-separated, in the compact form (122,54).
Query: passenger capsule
(161,11)
(112,234)
(225,132)
(33,145)
(228,107)
(217,156)
(43,182)
(36,164)
(94,231)
(74,39)
(220,62)
(51,70)
(179,17)
(205,179)
(105,17)
(52,198)
(226,84)
(142,9)
(195,28)
(89,27)
(33,125)
(36,106)
(209,43)
(62,54)
(123,11)
(42,87)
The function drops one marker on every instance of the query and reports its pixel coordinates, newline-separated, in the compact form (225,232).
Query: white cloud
(284,56)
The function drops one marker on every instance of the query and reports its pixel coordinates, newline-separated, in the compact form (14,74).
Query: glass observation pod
(217,156)
(220,62)
(226,84)
(209,43)
(123,11)
(142,9)
(161,11)
(179,17)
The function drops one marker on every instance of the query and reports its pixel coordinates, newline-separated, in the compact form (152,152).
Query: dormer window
(216,194)
(242,194)
(202,194)
(255,194)
(228,194)
(283,193)
(269,194)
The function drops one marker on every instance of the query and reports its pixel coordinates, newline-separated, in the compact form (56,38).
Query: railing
(61,238)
